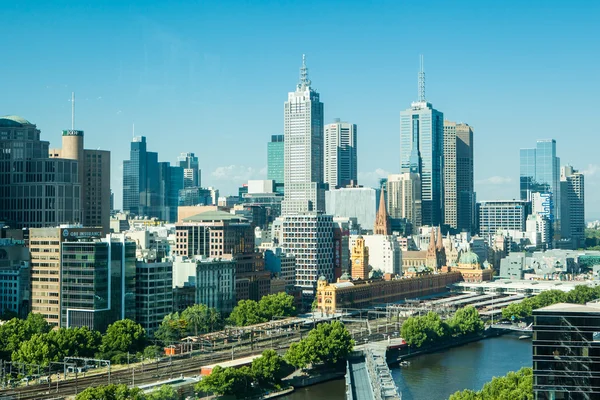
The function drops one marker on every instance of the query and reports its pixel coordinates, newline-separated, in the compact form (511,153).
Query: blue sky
(211,77)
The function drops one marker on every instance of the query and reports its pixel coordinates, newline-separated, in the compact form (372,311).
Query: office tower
(502,215)
(45,246)
(275,164)
(459,196)
(35,190)
(404,198)
(359,259)
(353,202)
(540,173)
(385,254)
(340,163)
(15,277)
(191,169)
(341,246)
(421,149)
(565,351)
(310,238)
(150,188)
(303,149)
(572,190)
(216,284)
(382,221)
(153,292)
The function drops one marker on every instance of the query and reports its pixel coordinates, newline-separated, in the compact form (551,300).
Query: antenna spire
(133,130)
(72,111)
(422,81)
(304,81)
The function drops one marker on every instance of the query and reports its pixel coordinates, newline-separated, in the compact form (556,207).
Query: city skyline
(526,88)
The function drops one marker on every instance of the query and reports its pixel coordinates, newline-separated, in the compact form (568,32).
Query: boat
(523,337)
(404,363)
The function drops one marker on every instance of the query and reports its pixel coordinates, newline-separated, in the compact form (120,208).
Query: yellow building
(360,260)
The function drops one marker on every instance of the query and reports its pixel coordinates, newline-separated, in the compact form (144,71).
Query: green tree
(75,342)
(111,392)
(513,386)
(581,294)
(466,394)
(124,336)
(165,392)
(268,369)
(276,305)
(201,319)
(228,381)
(38,350)
(412,332)
(328,343)
(466,320)
(246,312)
(152,352)
(171,329)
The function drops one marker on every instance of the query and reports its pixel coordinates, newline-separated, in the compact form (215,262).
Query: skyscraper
(404,198)
(540,173)
(459,196)
(421,136)
(150,188)
(191,169)
(340,163)
(303,149)
(275,152)
(572,218)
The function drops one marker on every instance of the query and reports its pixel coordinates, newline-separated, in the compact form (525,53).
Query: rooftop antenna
(72,111)
(133,131)
(304,81)
(422,81)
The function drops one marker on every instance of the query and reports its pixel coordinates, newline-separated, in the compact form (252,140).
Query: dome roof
(322,278)
(469,258)
(13,120)
(345,277)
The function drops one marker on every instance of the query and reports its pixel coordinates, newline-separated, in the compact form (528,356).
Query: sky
(211,77)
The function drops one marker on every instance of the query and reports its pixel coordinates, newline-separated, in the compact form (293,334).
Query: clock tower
(360,260)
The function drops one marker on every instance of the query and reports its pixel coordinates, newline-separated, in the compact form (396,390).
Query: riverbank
(302,378)
(396,356)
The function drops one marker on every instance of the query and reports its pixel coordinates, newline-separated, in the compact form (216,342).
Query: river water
(438,375)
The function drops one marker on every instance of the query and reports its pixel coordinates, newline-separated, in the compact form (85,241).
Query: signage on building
(80,233)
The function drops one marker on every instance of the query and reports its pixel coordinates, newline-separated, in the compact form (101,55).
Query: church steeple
(382,222)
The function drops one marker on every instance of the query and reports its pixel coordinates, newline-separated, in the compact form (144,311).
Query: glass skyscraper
(340,163)
(191,169)
(303,149)
(421,142)
(275,159)
(540,173)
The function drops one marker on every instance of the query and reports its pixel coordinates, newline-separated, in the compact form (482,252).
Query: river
(438,375)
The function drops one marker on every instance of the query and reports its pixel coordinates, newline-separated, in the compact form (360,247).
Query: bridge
(368,376)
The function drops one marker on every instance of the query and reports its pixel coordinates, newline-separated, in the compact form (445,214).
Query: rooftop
(13,121)
(211,216)
(568,307)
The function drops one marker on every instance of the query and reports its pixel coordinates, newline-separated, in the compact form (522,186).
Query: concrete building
(404,198)
(153,292)
(565,351)
(421,152)
(275,164)
(107,293)
(303,149)
(353,202)
(216,284)
(281,264)
(309,237)
(459,195)
(36,190)
(572,190)
(15,277)
(340,161)
(384,252)
(502,215)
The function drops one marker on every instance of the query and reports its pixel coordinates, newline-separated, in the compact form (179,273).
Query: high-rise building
(303,149)
(565,351)
(340,162)
(310,238)
(353,202)
(509,215)
(153,292)
(540,173)
(106,293)
(459,195)
(150,188)
(15,277)
(421,150)
(35,190)
(191,169)
(275,164)
(216,284)
(572,190)
(404,198)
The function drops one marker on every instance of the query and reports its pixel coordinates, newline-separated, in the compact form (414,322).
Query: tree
(37,350)
(171,329)
(165,392)
(246,312)
(227,381)
(413,333)
(466,321)
(152,352)
(276,305)
(328,343)
(124,336)
(581,294)
(513,386)
(268,369)
(200,318)
(466,394)
(75,342)
(111,392)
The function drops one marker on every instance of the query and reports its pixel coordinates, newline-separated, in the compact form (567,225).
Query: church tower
(360,260)
(441,251)
(382,221)
(431,258)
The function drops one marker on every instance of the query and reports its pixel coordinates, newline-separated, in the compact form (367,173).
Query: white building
(303,149)
(384,252)
(357,202)
(404,197)
(340,162)
(310,238)
(259,186)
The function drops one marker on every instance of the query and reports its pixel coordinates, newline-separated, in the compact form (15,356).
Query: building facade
(502,215)
(404,198)
(15,277)
(340,162)
(353,202)
(385,254)
(572,190)
(35,190)
(191,170)
(153,292)
(275,164)
(303,149)
(216,284)
(566,347)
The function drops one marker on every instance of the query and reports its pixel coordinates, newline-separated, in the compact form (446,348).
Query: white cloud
(238,173)
(371,179)
(495,180)
(591,170)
